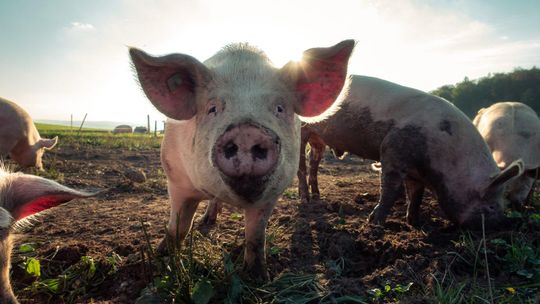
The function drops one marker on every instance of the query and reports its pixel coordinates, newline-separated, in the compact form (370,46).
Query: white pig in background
(23,195)
(512,131)
(233,131)
(19,137)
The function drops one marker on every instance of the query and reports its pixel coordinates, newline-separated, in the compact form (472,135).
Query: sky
(63,57)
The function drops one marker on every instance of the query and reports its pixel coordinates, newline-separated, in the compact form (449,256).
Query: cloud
(81,26)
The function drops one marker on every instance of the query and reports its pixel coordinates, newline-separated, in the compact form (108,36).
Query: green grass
(42,127)
(57,282)
(499,268)
(204,272)
(99,138)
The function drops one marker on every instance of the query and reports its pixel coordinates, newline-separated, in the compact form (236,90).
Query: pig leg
(6,293)
(415,192)
(181,218)
(254,252)
(391,190)
(315,157)
(394,162)
(212,211)
(303,189)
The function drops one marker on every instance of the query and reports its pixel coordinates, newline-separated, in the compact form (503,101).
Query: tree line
(471,95)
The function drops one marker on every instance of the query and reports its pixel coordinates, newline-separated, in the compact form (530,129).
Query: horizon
(71,57)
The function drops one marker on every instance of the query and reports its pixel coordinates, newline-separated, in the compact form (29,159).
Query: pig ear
(170,82)
(26,195)
(515,169)
(48,143)
(319,77)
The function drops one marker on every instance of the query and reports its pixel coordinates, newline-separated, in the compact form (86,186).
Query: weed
(77,281)
(389,293)
(290,193)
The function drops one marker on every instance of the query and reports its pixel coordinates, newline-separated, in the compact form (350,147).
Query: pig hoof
(8,299)
(257,274)
(414,222)
(208,221)
(163,249)
(376,218)
(315,196)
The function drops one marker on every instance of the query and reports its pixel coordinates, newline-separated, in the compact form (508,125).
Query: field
(101,250)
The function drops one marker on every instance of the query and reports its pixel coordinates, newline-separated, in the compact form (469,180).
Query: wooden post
(71,123)
(155,128)
(148,124)
(82,123)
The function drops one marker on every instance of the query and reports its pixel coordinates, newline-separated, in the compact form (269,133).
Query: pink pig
(233,131)
(19,137)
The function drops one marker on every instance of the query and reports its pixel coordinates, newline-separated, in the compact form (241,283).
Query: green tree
(471,95)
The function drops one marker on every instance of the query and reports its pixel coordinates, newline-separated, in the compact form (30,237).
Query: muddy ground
(312,237)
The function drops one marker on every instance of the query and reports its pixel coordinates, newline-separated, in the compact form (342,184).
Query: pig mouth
(248,187)
(246,156)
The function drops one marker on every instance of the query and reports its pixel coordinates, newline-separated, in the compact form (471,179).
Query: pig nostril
(230,150)
(259,152)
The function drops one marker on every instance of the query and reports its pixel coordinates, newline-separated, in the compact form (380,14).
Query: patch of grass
(203,272)
(98,138)
(58,283)
(389,292)
(291,193)
(500,268)
(50,172)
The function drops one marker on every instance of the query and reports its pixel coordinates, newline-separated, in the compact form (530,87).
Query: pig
(512,130)
(19,137)
(233,132)
(22,196)
(421,141)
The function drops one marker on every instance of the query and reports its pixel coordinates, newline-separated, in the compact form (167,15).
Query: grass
(92,138)
(481,268)
(53,281)
(497,268)
(204,272)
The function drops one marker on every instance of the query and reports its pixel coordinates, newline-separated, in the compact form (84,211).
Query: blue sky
(70,57)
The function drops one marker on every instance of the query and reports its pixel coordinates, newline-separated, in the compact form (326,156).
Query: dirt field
(324,237)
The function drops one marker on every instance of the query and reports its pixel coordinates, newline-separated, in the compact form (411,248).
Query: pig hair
(242,49)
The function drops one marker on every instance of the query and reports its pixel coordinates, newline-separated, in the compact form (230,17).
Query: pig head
(23,195)
(233,130)
(512,131)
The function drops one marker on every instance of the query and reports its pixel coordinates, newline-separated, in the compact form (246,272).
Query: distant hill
(472,95)
(106,125)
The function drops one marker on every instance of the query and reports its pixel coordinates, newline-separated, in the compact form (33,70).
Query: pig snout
(246,150)
(246,155)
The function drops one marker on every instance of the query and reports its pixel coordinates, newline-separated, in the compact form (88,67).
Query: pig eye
(211,110)
(279,109)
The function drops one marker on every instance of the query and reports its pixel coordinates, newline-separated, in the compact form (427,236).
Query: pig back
(370,108)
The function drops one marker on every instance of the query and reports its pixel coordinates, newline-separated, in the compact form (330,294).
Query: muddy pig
(19,137)
(421,140)
(233,131)
(21,196)
(512,130)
